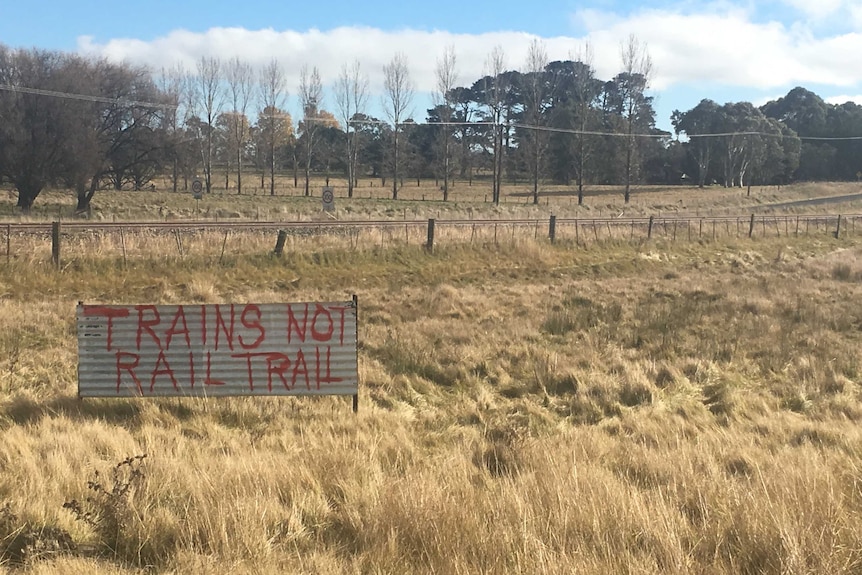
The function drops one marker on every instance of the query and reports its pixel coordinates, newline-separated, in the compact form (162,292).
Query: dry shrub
(110,511)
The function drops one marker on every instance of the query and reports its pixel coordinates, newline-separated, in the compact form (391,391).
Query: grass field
(371,201)
(645,407)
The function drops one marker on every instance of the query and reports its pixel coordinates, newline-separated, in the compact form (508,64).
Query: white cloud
(818,9)
(328,50)
(720,45)
(843,99)
(729,48)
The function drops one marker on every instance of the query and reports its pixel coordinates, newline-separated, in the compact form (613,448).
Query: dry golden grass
(663,407)
(371,201)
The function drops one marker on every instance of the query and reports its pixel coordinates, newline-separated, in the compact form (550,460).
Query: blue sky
(728,50)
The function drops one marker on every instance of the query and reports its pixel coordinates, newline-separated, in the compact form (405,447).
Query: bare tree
(240,80)
(176,87)
(637,72)
(273,94)
(209,89)
(397,97)
(447,76)
(494,95)
(311,98)
(110,133)
(351,94)
(172,85)
(535,91)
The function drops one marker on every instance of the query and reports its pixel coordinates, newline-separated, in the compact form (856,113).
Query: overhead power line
(85,97)
(588,132)
(830,139)
(144,104)
(690,136)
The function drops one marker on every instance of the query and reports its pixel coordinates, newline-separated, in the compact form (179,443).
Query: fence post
(649,228)
(279,243)
(55,243)
(552,228)
(356,395)
(224,244)
(838,227)
(123,245)
(751,226)
(430,244)
(8,242)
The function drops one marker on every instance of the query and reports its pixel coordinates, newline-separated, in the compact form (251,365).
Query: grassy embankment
(649,408)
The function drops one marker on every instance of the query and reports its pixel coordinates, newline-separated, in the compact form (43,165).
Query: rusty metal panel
(306,348)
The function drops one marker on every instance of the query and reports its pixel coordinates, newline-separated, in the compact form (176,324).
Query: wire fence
(78,240)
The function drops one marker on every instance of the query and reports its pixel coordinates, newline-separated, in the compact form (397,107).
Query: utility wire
(143,104)
(85,97)
(587,132)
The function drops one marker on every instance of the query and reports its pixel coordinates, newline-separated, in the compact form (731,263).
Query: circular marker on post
(197,189)
(328,199)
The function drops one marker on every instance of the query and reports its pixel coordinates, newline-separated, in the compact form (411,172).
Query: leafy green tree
(373,137)
(699,124)
(465,108)
(806,114)
(845,121)
(573,110)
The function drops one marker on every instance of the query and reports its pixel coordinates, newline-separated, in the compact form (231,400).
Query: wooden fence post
(430,244)
(224,244)
(179,242)
(55,243)
(838,228)
(649,228)
(552,228)
(751,226)
(279,243)
(123,245)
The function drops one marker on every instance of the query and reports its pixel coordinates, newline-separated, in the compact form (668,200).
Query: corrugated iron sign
(217,349)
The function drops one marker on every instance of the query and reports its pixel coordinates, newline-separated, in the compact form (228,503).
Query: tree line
(88,124)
